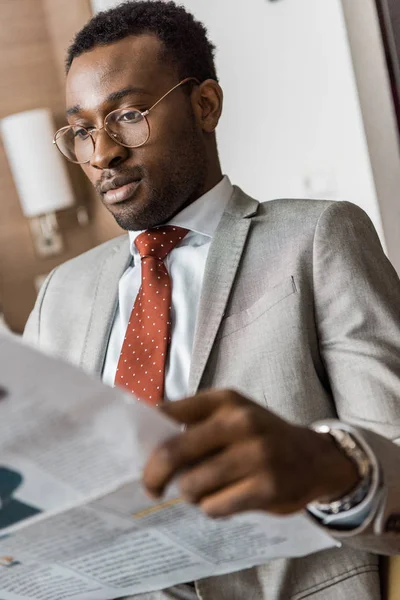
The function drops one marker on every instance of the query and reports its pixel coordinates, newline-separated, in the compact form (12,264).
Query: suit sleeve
(357,307)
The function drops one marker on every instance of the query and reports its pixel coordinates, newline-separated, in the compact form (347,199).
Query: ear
(207,101)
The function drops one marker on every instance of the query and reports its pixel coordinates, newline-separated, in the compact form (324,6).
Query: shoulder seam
(42,294)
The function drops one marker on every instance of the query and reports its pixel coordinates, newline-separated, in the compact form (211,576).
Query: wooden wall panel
(33,37)
(64,18)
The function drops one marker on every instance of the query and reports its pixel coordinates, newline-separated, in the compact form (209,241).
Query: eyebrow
(113,97)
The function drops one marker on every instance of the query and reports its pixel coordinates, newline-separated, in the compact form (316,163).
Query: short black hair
(184,38)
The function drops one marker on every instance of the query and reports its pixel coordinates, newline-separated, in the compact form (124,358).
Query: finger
(257,492)
(235,463)
(253,493)
(197,408)
(226,426)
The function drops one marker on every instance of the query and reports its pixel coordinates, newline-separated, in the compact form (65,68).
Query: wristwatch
(362,458)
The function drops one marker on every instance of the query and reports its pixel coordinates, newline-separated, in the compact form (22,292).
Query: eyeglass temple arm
(146,112)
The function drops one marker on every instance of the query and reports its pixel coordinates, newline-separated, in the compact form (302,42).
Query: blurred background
(311,110)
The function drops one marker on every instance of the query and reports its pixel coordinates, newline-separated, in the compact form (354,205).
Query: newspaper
(75,521)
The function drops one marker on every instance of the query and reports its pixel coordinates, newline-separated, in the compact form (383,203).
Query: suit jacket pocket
(272,297)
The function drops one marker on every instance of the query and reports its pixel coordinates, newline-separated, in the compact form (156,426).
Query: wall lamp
(40,176)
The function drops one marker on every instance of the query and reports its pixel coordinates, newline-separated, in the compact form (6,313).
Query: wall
(31,73)
(292,124)
(98,5)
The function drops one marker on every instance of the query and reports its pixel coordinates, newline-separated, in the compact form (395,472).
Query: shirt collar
(203,215)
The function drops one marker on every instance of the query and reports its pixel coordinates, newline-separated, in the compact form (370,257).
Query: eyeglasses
(127,127)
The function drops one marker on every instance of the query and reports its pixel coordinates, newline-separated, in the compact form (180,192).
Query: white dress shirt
(186,265)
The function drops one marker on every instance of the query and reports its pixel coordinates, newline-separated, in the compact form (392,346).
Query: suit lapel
(222,263)
(104,306)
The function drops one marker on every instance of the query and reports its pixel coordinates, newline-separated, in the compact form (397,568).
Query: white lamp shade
(38,168)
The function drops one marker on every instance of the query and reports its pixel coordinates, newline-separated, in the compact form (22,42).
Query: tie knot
(157,243)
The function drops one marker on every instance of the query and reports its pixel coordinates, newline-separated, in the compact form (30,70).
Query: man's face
(167,173)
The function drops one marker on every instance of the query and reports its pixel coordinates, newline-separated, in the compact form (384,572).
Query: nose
(107,153)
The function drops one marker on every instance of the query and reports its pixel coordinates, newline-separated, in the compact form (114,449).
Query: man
(292,304)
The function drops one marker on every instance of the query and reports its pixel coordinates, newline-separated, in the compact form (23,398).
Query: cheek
(169,146)
(169,130)
(156,155)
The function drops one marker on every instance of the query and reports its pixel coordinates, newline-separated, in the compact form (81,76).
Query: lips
(121,193)
(119,189)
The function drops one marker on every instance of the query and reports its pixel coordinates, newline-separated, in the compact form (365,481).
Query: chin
(149,207)
(131,214)
(132,217)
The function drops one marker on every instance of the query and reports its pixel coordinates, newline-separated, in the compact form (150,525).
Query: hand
(236,456)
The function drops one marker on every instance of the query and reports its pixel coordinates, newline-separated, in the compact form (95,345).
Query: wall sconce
(40,175)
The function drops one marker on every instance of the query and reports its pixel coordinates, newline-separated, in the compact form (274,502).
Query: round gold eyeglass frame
(61,132)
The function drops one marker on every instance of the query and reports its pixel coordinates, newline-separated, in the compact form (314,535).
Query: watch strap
(349,442)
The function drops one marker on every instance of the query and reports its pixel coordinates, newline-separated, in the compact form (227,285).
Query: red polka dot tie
(141,366)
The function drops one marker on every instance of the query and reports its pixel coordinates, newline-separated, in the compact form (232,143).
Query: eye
(81,134)
(130,117)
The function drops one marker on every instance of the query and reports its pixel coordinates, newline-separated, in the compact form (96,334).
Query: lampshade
(37,167)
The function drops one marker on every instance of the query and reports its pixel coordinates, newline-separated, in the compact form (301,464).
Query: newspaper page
(75,521)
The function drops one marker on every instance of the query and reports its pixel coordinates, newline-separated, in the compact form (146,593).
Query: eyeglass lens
(126,126)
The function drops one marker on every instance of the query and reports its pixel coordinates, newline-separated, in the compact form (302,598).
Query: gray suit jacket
(300,311)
